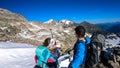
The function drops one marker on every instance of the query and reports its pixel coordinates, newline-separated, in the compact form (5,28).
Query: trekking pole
(52,41)
(114,57)
(51,33)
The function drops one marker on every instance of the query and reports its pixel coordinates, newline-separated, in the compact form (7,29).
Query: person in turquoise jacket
(80,48)
(44,54)
(45,58)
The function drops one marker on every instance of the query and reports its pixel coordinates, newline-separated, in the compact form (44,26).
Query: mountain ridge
(23,31)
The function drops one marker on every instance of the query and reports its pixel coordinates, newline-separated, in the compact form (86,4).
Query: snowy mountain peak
(50,21)
(67,22)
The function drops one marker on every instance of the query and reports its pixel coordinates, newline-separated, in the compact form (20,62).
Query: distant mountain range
(113,27)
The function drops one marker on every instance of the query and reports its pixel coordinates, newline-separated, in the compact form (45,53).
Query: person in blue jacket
(80,48)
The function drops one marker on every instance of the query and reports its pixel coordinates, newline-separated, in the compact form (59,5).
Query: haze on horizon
(94,11)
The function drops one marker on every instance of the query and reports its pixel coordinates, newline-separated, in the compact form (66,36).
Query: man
(80,48)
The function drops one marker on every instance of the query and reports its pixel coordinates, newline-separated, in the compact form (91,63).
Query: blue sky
(94,11)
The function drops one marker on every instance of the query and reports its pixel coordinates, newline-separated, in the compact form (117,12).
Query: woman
(44,55)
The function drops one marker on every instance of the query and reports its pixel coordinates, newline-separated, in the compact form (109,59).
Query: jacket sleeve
(35,59)
(56,53)
(78,57)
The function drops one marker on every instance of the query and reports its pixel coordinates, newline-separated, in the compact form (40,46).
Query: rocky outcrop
(6,15)
(11,24)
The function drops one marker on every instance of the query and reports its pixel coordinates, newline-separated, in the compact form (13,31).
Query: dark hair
(80,31)
(46,42)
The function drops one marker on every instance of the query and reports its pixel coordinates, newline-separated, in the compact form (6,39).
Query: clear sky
(94,11)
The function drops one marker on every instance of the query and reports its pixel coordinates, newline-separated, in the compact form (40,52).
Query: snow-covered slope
(17,58)
(14,45)
(17,55)
(112,41)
